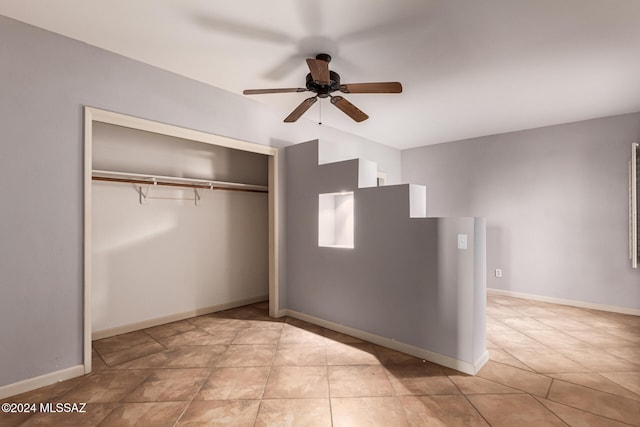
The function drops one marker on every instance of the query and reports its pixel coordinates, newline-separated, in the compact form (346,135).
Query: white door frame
(92,115)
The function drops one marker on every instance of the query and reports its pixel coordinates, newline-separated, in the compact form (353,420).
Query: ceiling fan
(323,83)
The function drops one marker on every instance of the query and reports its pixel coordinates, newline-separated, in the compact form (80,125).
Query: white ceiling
(469,67)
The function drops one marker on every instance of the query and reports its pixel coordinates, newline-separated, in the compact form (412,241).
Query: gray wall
(555,200)
(405,279)
(45,80)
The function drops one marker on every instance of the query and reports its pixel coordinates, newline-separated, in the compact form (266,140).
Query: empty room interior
(388,213)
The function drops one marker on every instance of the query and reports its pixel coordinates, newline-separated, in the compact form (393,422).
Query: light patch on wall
(335,220)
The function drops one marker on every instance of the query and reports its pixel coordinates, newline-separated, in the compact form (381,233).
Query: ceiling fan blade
(382,87)
(261,91)
(319,70)
(349,109)
(301,109)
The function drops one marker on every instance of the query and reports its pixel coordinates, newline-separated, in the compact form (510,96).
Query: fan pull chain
(320,112)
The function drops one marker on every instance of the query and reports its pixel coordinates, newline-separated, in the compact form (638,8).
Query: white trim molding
(570,302)
(440,359)
(41,381)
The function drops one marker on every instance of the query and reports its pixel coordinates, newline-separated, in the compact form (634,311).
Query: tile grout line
(326,359)
(193,397)
(580,410)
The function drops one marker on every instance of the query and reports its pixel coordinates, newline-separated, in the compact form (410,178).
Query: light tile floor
(550,365)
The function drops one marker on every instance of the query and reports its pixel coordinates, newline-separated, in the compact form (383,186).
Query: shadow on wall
(405,279)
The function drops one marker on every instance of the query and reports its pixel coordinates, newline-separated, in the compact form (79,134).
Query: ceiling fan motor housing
(323,91)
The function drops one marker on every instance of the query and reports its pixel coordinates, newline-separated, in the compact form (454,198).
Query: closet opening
(178,223)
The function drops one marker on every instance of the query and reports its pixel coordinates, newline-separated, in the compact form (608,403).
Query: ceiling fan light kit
(323,82)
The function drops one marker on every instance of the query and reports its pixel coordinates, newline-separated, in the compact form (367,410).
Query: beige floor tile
(596,402)
(600,320)
(625,319)
(97,364)
(566,311)
(501,356)
(628,353)
(519,379)
(351,354)
(294,412)
(223,413)
(525,323)
(632,335)
(597,359)
(441,411)
(169,329)
(492,345)
(577,417)
(476,385)
(121,342)
(222,336)
(169,385)
(367,411)
(194,336)
(494,324)
(562,323)
(106,386)
(512,339)
(155,414)
(601,382)
(294,335)
(195,356)
(534,311)
(601,338)
(419,380)
(235,383)
(553,338)
(300,361)
(132,353)
(546,361)
(359,381)
(265,322)
(300,355)
(212,323)
(93,414)
(152,361)
(501,311)
(14,419)
(257,336)
(297,382)
(509,410)
(247,355)
(628,380)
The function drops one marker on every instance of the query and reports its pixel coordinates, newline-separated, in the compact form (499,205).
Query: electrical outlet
(462,241)
(498,272)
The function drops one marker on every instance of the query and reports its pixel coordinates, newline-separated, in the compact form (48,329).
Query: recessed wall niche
(335,220)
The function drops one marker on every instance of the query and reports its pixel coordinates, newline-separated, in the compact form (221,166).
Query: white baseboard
(106,333)
(41,381)
(480,361)
(440,359)
(570,302)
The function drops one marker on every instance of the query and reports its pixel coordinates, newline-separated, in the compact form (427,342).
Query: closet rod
(175,184)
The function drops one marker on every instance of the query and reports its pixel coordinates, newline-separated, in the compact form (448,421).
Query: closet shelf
(174,181)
